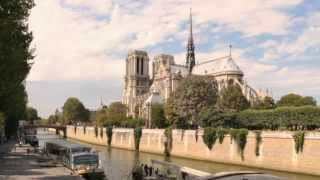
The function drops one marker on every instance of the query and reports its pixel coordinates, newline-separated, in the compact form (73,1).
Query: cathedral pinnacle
(190,58)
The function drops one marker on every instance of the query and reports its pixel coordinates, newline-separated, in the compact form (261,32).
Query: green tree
(114,115)
(32,114)
(117,112)
(101,116)
(15,58)
(231,98)
(158,117)
(296,100)
(74,111)
(192,95)
(266,103)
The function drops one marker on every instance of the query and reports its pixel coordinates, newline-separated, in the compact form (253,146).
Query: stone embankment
(276,150)
(16,163)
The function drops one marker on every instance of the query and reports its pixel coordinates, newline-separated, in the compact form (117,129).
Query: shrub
(241,140)
(137,137)
(209,137)
(168,141)
(101,132)
(258,142)
(292,118)
(109,134)
(233,134)
(96,131)
(299,141)
(221,134)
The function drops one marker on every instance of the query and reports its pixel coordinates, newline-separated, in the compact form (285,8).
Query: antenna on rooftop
(230,50)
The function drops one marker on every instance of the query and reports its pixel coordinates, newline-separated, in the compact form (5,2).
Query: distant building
(141,90)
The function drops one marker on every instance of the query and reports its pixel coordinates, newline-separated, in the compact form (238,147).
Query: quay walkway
(17,164)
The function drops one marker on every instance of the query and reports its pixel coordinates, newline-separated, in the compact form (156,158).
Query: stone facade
(277,150)
(166,75)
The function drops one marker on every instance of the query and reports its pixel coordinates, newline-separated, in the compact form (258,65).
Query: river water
(117,163)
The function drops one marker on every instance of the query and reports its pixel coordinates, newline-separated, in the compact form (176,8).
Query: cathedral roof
(179,69)
(224,65)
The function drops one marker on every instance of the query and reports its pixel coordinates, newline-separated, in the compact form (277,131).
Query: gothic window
(141,66)
(137,65)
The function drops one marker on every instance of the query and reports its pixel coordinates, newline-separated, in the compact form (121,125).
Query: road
(17,164)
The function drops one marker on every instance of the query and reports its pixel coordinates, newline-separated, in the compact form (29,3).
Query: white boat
(78,158)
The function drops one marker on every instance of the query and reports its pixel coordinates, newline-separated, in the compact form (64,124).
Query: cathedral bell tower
(190,58)
(137,80)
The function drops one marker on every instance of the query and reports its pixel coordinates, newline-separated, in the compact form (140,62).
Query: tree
(192,95)
(74,111)
(296,100)
(117,112)
(210,117)
(15,58)
(158,117)
(101,116)
(114,115)
(266,103)
(32,114)
(231,98)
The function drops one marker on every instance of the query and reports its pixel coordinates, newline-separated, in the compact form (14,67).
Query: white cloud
(68,41)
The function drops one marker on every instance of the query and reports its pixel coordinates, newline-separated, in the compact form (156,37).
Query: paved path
(17,164)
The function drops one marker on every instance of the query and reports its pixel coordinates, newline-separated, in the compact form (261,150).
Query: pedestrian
(150,170)
(156,172)
(146,170)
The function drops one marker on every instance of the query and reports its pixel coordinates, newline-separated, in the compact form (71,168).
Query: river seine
(117,163)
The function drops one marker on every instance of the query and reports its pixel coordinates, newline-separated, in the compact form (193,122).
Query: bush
(109,134)
(168,142)
(240,137)
(137,137)
(221,134)
(258,142)
(241,140)
(209,137)
(299,141)
(292,118)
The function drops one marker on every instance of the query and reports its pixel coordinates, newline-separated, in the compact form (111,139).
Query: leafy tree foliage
(115,115)
(194,94)
(15,56)
(117,111)
(296,100)
(231,98)
(55,118)
(32,114)
(74,111)
(292,118)
(158,117)
(209,137)
(266,103)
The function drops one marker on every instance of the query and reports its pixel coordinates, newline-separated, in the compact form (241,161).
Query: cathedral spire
(190,58)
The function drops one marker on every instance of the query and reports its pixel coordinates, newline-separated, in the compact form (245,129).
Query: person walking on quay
(146,169)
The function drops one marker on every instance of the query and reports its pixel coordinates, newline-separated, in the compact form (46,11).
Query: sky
(81,45)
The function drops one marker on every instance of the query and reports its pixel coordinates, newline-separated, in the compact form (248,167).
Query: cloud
(87,40)
(72,35)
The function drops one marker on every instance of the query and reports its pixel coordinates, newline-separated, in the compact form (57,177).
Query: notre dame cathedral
(141,90)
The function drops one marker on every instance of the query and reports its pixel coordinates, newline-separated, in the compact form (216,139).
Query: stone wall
(276,150)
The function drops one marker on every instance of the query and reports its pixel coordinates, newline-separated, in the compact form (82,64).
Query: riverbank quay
(276,148)
(18,163)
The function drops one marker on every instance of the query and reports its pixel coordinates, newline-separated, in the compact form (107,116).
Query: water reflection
(117,163)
